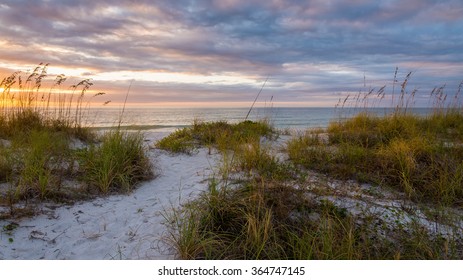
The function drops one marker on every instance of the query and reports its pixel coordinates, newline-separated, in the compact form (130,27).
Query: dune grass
(115,164)
(260,206)
(220,135)
(40,124)
(421,156)
(41,160)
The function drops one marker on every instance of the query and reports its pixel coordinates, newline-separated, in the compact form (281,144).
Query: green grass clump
(221,135)
(117,163)
(228,224)
(41,160)
(180,141)
(257,160)
(241,145)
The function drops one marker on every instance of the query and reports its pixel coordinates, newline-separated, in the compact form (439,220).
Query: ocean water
(169,119)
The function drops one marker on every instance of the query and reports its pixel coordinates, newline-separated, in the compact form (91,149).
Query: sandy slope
(114,227)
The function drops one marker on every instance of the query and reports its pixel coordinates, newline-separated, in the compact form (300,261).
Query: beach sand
(117,226)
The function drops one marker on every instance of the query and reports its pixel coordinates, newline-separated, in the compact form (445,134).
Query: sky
(223,52)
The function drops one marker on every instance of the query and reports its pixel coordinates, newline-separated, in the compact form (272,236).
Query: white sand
(114,227)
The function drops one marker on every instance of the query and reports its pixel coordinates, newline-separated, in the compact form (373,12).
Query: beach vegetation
(47,150)
(220,135)
(116,164)
(267,219)
(366,187)
(420,156)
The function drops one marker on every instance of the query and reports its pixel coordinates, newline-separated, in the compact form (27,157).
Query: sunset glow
(219,53)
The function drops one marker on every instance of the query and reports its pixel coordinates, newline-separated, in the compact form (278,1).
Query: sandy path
(113,227)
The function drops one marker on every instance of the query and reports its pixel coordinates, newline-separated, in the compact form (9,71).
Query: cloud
(308,48)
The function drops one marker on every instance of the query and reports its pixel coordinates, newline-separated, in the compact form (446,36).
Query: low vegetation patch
(115,164)
(421,156)
(46,151)
(220,135)
(245,146)
(268,219)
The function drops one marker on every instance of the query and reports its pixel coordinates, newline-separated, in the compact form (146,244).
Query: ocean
(170,119)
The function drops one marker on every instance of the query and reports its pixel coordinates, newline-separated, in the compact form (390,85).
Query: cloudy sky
(220,52)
